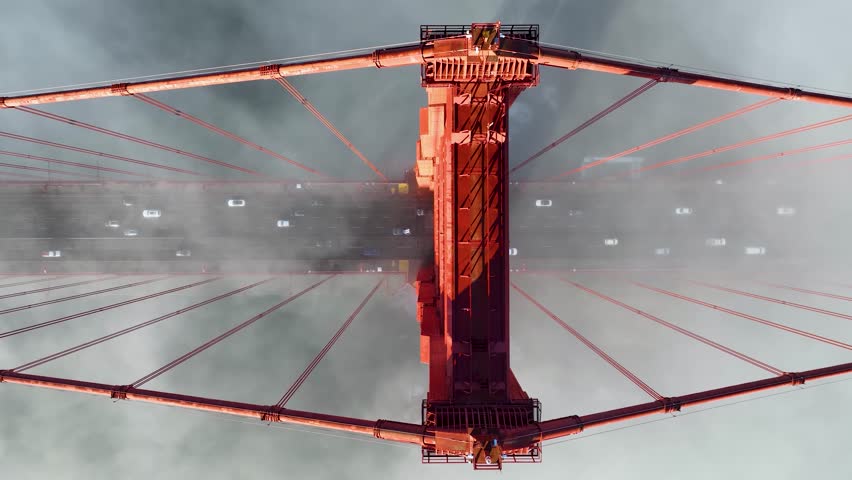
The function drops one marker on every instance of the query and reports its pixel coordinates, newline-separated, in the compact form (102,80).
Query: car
(420,212)
(610,242)
(513,251)
(716,242)
(317,203)
(544,203)
(112,224)
(683,211)
(575,213)
(662,251)
(298,213)
(236,202)
(370,252)
(183,253)
(755,250)
(130,232)
(128,202)
(282,223)
(397,231)
(51,254)
(152,213)
(785,211)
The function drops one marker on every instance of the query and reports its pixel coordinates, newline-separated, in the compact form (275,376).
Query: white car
(785,211)
(663,251)
(610,242)
(112,224)
(544,203)
(755,250)
(683,211)
(298,213)
(236,202)
(128,202)
(420,212)
(51,254)
(397,231)
(183,253)
(282,223)
(513,251)
(716,242)
(152,213)
(131,233)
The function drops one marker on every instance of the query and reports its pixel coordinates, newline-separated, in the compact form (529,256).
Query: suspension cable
(56,287)
(138,326)
(138,140)
(174,363)
(746,316)
(671,136)
(47,170)
(79,295)
(73,164)
(622,369)
(103,309)
(774,300)
(603,113)
(746,143)
(322,353)
(224,133)
(810,292)
(776,155)
(96,153)
(304,101)
(27,282)
(695,336)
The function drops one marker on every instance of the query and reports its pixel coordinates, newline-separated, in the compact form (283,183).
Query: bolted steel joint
(671,405)
(271,71)
(119,89)
(119,392)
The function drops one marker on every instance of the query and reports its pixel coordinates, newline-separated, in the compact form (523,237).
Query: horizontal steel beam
(573,60)
(383,429)
(561,427)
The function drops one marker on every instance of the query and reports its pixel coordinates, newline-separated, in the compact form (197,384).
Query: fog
(373,371)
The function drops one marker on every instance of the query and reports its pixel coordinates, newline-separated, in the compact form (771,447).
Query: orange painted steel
(388,430)
(573,60)
(384,58)
(562,427)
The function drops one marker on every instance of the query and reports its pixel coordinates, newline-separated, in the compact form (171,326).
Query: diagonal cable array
(746,143)
(694,336)
(96,153)
(56,287)
(603,113)
(322,353)
(27,282)
(671,136)
(746,316)
(174,363)
(138,326)
(74,316)
(131,138)
(304,101)
(47,170)
(772,156)
(224,133)
(810,292)
(773,300)
(621,368)
(79,295)
(72,164)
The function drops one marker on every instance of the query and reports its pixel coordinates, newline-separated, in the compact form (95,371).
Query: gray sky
(374,371)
